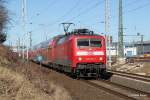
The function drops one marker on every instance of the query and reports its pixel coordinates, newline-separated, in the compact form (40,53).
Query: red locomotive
(80,53)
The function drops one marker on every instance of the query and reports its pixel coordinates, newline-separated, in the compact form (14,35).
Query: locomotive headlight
(100,58)
(98,53)
(79,58)
(82,53)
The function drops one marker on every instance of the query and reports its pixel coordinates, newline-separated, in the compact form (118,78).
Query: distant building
(131,49)
(143,48)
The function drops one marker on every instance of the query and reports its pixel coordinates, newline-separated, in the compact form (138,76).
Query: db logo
(90,53)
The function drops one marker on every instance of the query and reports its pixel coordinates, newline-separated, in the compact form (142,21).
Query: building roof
(133,43)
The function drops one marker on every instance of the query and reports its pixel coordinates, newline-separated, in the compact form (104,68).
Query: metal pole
(23,47)
(110,51)
(28,37)
(107,28)
(142,45)
(45,35)
(30,33)
(18,46)
(24,12)
(120,32)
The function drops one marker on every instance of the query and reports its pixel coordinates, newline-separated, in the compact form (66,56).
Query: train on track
(81,53)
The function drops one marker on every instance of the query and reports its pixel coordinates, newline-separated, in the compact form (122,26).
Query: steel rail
(110,91)
(113,91)
(131,75)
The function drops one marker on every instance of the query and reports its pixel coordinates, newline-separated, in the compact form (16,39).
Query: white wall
(130,49)
(114,52)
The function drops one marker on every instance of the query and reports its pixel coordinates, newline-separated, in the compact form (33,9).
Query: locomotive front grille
(89,69)
(83,66)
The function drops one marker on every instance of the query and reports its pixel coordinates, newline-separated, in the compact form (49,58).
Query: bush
(3,21)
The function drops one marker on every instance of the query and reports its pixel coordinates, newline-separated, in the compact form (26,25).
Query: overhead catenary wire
(138,8)
(39,13)
(66,13)
(83,12)
(129,11)
(131,3)
(52,3)
(87,10)
(125,6)
(70,11)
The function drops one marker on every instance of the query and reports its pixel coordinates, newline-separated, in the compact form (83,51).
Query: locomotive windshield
(93,42)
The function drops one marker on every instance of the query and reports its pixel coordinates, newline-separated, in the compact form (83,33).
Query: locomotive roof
(43,44)
(79,32)
(76,32)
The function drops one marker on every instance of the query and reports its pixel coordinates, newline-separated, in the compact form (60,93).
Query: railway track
(131,75)
(118,90)
(128,93)
(121,91)
(139,59)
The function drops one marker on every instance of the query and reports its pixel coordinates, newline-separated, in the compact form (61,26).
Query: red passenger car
(80,53)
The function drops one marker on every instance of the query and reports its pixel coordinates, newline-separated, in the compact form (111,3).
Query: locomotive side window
(62,40)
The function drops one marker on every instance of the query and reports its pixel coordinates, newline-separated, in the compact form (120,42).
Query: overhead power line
(70,11)
(132,10)
(87,10)
(138,8)
(66,14)
(127,6)
(52,3)
(131,3)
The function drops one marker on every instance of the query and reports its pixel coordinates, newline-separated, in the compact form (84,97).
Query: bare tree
(3,21)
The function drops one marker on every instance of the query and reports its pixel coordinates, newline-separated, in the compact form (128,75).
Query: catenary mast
(107,28)
(120,33)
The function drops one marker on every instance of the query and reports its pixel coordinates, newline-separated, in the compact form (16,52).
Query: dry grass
(21,82)
(7,56)
(10,82)
(14,86)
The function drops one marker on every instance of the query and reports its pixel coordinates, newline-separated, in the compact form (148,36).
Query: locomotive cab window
(83,42)
(93,42)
